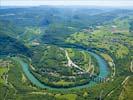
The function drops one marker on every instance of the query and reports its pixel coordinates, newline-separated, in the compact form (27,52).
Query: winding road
(71,63)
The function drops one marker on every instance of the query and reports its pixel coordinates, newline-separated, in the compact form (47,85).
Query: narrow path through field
(131,66)
(125,80)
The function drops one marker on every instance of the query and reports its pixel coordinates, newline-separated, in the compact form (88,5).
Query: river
(104,72)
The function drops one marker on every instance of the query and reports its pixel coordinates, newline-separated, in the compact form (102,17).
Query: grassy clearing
(3,70)
(66,97)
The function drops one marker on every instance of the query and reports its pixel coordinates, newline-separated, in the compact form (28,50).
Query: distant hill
(11,46)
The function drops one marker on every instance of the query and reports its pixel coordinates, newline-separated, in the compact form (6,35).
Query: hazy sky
(112,3)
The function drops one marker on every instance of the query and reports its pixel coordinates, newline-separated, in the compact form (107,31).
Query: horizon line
(103,3)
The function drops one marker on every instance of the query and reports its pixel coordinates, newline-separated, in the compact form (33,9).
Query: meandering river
(104,72)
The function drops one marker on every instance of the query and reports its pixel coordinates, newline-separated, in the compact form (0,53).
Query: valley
(66,53)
